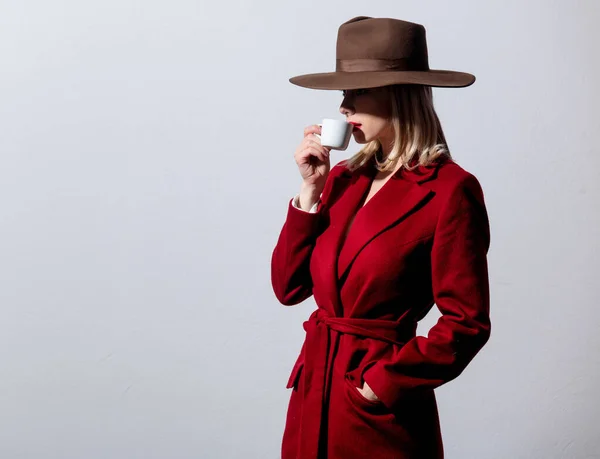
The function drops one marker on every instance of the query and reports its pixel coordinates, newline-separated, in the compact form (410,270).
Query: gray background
(147,164)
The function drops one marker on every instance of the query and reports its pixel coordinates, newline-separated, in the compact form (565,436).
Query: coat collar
(419,174)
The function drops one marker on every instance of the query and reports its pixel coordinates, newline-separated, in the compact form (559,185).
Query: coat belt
(318,365)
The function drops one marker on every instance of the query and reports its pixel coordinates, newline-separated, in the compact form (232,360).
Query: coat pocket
(354,393)
(295,375)
(362,406)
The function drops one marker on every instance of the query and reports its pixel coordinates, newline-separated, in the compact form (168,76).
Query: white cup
(335,134)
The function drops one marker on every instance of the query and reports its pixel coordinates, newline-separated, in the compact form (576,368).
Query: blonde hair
(418,134)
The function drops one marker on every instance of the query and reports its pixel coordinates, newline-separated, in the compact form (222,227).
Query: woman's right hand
(312,159)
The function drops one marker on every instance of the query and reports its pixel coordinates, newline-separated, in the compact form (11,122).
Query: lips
(356,125)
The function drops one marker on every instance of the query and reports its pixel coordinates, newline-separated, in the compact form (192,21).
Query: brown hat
(373,52)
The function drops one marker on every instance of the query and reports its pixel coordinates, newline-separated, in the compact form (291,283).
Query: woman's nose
(346,109)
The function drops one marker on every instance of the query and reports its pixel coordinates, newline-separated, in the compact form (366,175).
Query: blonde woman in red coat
(377,240)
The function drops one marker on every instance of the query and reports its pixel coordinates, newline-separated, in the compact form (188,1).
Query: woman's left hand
(368,393)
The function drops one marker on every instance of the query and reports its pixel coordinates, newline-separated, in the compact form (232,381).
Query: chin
(361,139)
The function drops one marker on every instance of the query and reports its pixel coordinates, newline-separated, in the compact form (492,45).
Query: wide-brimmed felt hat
(374,52)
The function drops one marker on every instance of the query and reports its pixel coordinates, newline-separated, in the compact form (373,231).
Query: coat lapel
(399,196)
(346,197)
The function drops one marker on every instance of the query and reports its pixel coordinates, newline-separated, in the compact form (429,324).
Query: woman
(377,240)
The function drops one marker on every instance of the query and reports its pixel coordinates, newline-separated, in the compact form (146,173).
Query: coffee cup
(335,134)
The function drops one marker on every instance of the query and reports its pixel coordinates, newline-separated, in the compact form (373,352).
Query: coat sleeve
(290,260)
(461,292)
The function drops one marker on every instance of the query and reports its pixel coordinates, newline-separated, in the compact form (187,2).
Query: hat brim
(358,80)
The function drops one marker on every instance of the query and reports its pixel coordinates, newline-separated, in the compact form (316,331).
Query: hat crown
(387,39)
(376,52)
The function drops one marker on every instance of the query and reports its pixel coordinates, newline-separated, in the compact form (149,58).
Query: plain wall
(147,165)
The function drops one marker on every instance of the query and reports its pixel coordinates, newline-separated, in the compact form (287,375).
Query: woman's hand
(368,393)
(312,160)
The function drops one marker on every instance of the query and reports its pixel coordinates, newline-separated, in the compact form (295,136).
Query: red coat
(422,238)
